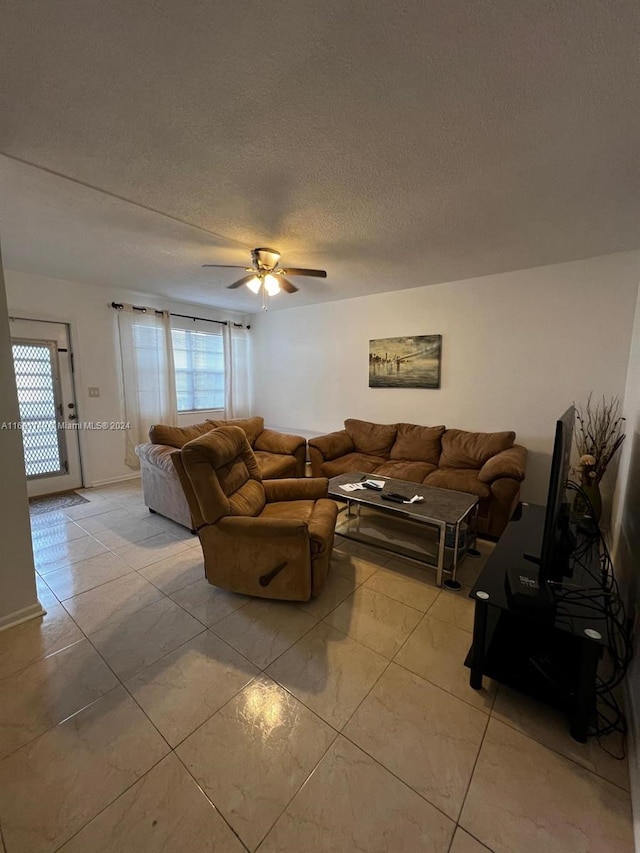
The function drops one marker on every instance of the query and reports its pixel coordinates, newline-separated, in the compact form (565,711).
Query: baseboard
(112,480)
(20,616)
(633,751)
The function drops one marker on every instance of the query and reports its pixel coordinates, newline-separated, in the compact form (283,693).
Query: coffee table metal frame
(442,509)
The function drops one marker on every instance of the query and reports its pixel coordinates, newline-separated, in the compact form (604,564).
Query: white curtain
(148,375)
(238,385)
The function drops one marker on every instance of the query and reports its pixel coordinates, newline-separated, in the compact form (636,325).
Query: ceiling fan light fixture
(271,285)
(255,284)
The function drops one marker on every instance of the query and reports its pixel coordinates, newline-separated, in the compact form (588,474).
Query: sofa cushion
(418,443)
(462,449)
(251,426)
(174,436)
(351,462)
(458,479)
(372,439)
(413,472)
(273,465)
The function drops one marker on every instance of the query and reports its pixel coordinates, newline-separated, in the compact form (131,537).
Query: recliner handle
(265,580)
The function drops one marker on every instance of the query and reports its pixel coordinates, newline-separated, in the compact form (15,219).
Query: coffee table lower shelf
(408,539)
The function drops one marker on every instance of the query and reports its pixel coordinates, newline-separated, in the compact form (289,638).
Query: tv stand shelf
(545,654)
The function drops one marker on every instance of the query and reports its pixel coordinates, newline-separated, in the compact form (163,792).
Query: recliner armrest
(269,528)
(278,442)
(508,463)
(311,489)
(333,444)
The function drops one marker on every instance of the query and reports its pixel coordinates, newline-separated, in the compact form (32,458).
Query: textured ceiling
(394,144)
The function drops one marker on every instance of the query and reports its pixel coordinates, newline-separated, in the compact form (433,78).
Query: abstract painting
(405,362)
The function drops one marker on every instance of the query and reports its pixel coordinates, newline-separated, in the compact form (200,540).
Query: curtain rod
(119,305)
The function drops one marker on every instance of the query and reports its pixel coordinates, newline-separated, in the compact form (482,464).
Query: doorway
(43,365)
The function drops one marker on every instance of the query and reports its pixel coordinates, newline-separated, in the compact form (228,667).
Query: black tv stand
(550,654)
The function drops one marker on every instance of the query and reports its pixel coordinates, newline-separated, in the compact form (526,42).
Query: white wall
(518,348)
(94,337)
(626,550)
(18,599)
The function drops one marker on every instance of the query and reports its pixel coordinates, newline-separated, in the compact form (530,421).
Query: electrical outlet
(94,392)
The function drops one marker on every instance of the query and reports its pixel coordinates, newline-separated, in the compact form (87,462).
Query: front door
(43,364)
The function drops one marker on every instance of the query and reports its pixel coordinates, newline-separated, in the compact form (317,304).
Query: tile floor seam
(204,793)
(123,685)
(473,770)
(393,773)
(153,663)
(110,803)
(510,725)
(168,594)
(299,788)
(159,560)
(88,589)
(199,726)
(363,585)
(60,722)
(409,636)
(295,642)
(471,835)
(400,779)
(67,564)
(433,682)
(137,609)
(444,689)
(44,657)
(336,732)
(355,639)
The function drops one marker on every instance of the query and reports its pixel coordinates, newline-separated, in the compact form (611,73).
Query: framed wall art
(411,362)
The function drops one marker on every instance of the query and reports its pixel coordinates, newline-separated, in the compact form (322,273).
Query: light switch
(94,392)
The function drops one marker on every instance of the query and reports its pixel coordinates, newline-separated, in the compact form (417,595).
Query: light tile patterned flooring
(149,711)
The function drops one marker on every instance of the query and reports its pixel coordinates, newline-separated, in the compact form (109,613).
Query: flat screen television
(558,541)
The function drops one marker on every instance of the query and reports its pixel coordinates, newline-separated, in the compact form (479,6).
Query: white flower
(587,459)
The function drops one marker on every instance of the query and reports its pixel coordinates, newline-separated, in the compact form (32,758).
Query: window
(199,366)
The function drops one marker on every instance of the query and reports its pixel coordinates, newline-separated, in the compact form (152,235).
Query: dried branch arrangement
(599,434)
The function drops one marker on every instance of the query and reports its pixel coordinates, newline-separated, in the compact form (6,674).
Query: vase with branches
(598,436)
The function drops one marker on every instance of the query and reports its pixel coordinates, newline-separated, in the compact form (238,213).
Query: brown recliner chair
(271,539)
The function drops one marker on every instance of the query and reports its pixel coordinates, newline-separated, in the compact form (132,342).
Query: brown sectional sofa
(488,465)
(278,455)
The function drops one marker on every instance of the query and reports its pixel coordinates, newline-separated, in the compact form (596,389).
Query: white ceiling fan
(266,276)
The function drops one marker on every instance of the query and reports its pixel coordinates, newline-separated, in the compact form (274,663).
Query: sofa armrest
(311,489)
(278,442)
(159,455)
(508,463)
(333,444)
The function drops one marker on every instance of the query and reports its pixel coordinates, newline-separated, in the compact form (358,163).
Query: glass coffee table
(436,532)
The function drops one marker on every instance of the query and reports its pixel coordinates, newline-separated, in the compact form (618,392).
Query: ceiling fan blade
(286,285)
(298,271)
(241,281)
(225,266)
